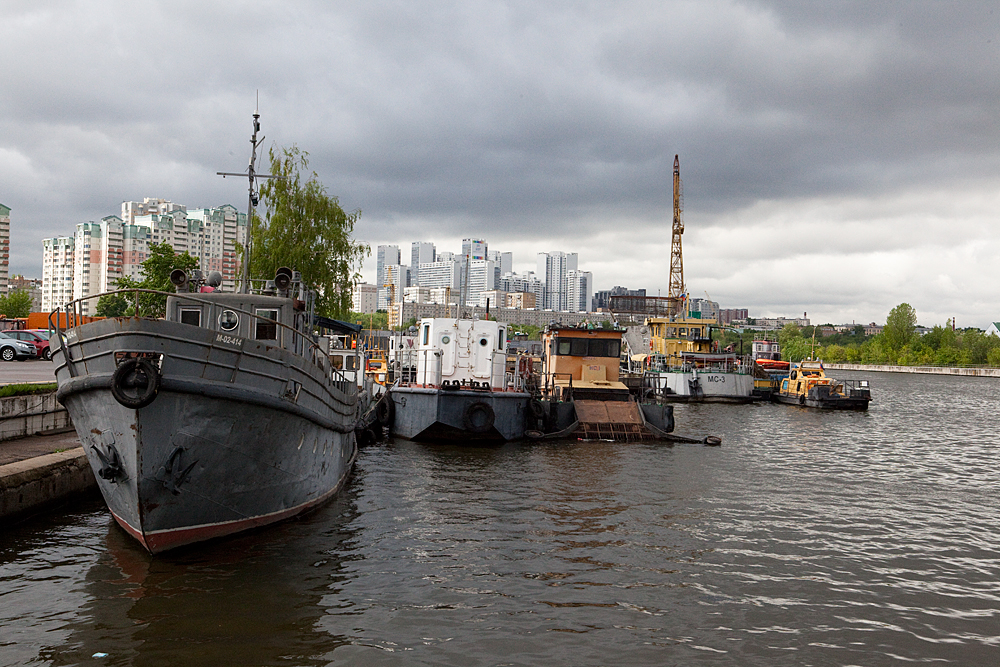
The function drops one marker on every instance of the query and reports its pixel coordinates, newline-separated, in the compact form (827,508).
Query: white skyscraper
(420,253)
(386,255)
(442,274)
(481,278)
(57,272)
(579,288)
(555,266)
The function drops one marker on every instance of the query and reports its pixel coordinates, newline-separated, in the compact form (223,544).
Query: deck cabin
(582,363)
(459,353)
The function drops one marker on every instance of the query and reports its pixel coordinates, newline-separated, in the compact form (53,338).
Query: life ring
(478,417)
(135,383)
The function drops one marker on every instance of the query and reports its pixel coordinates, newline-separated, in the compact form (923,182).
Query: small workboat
(583,397)
(459,389)
(808,385)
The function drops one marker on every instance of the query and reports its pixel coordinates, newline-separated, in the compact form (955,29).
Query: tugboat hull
(221,446)
(458,415)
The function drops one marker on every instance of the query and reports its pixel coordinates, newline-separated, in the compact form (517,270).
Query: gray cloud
(861,134)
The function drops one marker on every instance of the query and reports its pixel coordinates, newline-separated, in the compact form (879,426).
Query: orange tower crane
(676,294)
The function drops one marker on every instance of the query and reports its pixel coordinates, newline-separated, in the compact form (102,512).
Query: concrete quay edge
(37,483)
(928,370)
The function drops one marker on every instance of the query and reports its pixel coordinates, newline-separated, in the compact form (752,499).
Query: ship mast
(254,198)
(676,294)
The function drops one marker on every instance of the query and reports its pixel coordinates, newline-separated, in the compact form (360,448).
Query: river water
(807,538)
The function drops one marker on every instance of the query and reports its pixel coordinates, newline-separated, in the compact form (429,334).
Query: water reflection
(253,599)
(807,538)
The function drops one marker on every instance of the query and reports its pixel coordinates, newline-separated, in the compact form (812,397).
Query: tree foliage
(155,274)
(899,326)
(16,304)
(305,229)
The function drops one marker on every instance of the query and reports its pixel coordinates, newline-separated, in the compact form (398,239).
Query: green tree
(16,304)
(155,273)
(305,228)
(899,326)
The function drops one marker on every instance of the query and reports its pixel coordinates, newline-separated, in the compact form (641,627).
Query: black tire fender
(478,417)
(536,409)
(802,399)
(385,411)
(135,383)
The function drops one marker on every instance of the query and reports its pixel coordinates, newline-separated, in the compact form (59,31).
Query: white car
(12,348)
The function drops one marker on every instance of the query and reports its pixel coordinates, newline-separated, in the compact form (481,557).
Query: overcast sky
(838,158)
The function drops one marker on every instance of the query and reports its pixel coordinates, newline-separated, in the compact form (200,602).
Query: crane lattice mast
(676,294)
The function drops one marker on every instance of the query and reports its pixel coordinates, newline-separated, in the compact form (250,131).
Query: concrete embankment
(39,482)
(41,461)
(931,370)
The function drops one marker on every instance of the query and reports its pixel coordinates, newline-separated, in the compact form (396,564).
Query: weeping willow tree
(304,228)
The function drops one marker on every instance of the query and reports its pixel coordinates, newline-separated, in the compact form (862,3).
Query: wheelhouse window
(583,347)
(263,329)
(191,316)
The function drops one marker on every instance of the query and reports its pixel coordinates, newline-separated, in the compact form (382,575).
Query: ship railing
(71,315)
(429,373)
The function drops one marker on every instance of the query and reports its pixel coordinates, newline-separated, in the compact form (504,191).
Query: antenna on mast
(254,197)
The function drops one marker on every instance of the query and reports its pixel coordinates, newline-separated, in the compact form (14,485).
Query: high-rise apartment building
(57,272)
(364,298)
(481,278)
(442,274)
(516,283)
(386,255)
(555,266)
(105,251)
(420,253)
(473,249)
(579,287)
(4,247)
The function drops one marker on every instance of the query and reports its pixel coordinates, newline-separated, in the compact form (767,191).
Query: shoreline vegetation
(898,345)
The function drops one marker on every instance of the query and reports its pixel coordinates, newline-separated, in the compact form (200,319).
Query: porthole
(445,340)
(228,320)
(483,342)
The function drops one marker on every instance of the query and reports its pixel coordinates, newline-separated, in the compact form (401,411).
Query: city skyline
(852,141)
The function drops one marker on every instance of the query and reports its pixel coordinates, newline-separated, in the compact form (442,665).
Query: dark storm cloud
(531,124)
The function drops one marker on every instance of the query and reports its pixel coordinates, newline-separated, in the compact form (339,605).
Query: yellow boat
(808,385)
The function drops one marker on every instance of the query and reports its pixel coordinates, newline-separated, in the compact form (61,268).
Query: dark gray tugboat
(224,416)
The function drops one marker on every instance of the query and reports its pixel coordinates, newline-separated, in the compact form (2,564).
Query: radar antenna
(252,175)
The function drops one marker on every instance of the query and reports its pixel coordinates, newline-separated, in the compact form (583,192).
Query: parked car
(11,348)
(37,337)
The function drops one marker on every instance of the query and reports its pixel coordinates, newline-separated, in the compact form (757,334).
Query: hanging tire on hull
(385,411)
(478,417)
(135,383)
